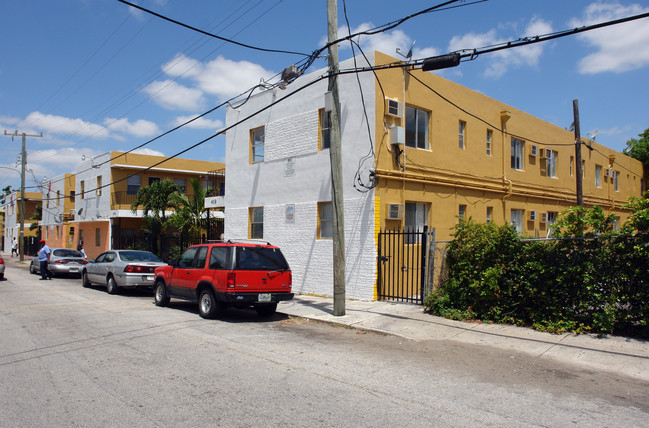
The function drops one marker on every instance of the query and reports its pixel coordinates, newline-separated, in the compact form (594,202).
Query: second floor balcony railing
(122,199)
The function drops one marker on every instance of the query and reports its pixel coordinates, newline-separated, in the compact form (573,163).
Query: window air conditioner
(395,211)
(393,108)
(534,150)
(544,217)
(532,215)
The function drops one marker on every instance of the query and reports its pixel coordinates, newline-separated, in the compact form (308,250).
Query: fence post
(430,280)
(424,265)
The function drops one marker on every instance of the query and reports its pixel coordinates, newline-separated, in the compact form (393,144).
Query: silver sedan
(62,261)
(121,269)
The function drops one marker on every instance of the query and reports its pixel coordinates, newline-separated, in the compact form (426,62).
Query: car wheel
(84,279)
(208,307)
(111,287)
(266,310)
(32,269)
(160,294)
(2,276)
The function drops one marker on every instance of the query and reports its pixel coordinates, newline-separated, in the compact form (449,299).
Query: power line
(210,34)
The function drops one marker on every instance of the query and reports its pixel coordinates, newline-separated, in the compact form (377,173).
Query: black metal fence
(167,247)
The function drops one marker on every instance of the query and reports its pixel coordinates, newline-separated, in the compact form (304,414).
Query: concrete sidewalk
(629,357)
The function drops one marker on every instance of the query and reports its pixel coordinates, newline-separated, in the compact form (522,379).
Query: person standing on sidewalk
(44,259)
(14,247)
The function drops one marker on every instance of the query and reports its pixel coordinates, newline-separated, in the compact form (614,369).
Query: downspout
(507,183)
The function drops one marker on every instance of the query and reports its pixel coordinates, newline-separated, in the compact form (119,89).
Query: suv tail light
(231,280)
(1,261)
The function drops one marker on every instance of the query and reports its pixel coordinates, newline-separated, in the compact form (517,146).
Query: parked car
(121,269)
(2,269)
(62,261)
(216,275)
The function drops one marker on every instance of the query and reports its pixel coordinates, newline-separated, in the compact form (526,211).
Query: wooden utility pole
(23,161)
(335,156)
(578,170)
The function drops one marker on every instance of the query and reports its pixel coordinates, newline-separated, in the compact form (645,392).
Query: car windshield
(260,258)
(66,252)
(138,256)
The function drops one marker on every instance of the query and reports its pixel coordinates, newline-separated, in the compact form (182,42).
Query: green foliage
(154,200)
(591,279)
(639,148)
(189,213)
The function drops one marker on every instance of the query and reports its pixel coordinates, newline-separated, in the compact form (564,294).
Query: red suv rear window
(260,258)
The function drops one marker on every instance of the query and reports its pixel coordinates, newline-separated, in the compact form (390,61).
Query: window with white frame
(518,148)
(257,145)
(598,176)
(415,220)
(572,161)
(461,212)
(83,189)
(325,220)
(551,163)
(417,127)
(98,188)
(517,220)
(490,212)
(461,134)
(616,180)
(490,134)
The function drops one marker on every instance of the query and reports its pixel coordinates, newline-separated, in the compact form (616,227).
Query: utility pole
(335,156)
(578,170)
(23,162)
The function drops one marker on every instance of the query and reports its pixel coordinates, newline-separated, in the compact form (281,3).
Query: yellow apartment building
(12,208)
(57,222)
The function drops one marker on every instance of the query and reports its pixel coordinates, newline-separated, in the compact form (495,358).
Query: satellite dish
(59,218)
(80,211)
(409,54)
(595,132)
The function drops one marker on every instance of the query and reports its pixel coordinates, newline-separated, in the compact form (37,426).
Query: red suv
(216,275)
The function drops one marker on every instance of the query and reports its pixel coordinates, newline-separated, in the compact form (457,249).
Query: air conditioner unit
(544,217)
(98,192)
(608,172)
(395,211)
(71,212)
(393,108)
(398,135)
(534,150)
(532,215)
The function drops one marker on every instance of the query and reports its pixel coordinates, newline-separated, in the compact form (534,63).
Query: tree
(639,148)
(154,199)
(189,215)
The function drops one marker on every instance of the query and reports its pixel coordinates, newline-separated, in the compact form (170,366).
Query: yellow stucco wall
(445,176)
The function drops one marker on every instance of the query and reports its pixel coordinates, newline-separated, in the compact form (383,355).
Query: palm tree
(154,199)
(189,215)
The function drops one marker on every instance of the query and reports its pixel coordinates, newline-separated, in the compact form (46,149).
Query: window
(616,181)
(616,224)
(416,219)
(461,212)
(517,220)
(583,169)
(58,198)
(181,183)
(325,220)
(518,148)
(199,262)
(71,195)
(98,237)
(461,129)
(83,188)
(416,128)
(133,183)
(572,161)
(490,135)
(551,163)
(98,190)
(598,176)
(325,129)
(256,221)
(552,218)
(187,259)
(490,212)
(257,145)
(219,258)
(153,180)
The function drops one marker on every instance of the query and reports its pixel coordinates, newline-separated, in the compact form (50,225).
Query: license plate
(74,269)
(149,277)
(264,297)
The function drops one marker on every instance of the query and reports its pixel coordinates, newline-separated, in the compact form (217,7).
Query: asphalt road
(71,356)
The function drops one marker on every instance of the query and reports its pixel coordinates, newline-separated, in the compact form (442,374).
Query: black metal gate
(402,265)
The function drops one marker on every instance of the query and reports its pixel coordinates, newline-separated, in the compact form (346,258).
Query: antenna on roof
(409,54)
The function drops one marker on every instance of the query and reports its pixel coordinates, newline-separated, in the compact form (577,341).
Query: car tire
(2,276)
(208,306)
(266,310)
(160,294)
(32,269)
(111,286)
(84,279)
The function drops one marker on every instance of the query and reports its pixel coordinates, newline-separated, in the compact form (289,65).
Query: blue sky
(97,75)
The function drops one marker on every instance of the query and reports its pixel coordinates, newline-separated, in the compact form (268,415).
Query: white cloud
(52,124)
(226,78)
(201,123)
(182,65)
(172,95)
(618,48)
(139,128)
(499,62)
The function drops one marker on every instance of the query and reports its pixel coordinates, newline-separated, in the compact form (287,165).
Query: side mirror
(91,261)
(173,262)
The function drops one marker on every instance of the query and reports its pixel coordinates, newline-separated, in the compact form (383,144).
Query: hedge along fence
(594,281)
